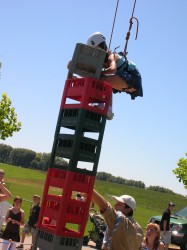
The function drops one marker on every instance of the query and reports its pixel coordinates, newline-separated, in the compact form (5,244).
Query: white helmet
(95,39)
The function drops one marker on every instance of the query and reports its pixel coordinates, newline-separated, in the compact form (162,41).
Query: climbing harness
(124,55)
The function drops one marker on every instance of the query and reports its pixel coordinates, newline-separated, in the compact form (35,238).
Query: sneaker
(109,115)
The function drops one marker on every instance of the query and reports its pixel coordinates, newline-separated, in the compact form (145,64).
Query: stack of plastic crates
(73,165)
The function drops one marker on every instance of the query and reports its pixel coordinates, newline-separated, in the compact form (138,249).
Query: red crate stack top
(87,93)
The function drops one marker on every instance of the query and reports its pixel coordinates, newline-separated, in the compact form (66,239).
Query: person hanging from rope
(121,73)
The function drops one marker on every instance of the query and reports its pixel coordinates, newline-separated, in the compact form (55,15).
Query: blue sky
(147,136)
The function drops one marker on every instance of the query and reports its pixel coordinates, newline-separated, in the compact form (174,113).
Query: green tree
(8,118)
(5,151)
(43,159)
(181,171)
(35,164)
(22,157)
(160,189)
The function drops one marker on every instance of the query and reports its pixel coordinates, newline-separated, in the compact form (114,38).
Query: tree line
(27,158)
(108,177)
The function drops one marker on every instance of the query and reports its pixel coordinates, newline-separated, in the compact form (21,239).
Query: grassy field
(27,182)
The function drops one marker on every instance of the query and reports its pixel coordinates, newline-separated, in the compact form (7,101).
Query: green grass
(26,182)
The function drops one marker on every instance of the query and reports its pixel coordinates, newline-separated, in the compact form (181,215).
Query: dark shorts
(28,229)
(166,239)
(133,79)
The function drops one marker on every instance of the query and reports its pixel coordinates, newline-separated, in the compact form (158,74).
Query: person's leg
(166,239)
(23,237)
(110,114)
(33,233)
(22,240)
(25,231)
(116,81)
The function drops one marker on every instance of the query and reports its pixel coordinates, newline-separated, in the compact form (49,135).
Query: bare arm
(100,201)
(112,67)
(161,246)
(6,193)
(7,219)
(164,225)
(22,222)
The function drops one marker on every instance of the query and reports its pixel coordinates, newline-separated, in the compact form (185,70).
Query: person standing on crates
(123,232)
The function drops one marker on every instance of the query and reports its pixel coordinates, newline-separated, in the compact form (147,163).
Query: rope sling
(128,32)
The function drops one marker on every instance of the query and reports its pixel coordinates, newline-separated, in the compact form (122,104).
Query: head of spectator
(36,199)
(125,203)
(17,202)
(152,237)
(171,206)
(80,197)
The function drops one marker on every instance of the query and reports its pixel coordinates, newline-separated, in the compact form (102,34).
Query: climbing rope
(130,26)
(113,24)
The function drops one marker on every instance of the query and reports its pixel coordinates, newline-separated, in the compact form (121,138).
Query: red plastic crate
(64,210)
(77,181)
(87,93)
(56,220)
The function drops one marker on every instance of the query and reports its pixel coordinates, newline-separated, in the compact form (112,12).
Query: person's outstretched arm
(100,201)
(6,193)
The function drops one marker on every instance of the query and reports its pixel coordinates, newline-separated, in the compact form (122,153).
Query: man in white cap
(123,232)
